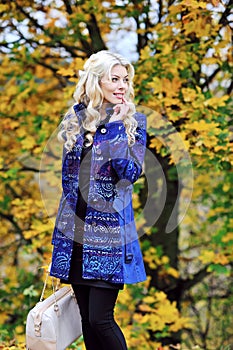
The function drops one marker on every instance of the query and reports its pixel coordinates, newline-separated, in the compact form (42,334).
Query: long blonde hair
(89,93)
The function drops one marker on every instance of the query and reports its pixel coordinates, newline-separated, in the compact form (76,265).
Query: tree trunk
(161,191)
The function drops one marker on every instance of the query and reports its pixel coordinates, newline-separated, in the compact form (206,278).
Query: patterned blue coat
(111,250)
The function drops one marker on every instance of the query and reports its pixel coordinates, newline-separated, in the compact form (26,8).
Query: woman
(95,241)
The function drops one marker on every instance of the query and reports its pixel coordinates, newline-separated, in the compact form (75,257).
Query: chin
(112,102)
(115,101)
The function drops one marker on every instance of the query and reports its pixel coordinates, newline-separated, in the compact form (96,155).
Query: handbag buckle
(37,329)
(56,307)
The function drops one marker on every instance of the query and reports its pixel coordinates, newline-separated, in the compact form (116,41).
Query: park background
(182,53)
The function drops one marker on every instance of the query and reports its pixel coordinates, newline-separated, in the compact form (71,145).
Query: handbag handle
(53,286)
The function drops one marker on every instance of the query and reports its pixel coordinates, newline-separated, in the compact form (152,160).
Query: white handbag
(54,323)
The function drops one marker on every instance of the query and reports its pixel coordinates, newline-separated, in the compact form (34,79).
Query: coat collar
(80,108)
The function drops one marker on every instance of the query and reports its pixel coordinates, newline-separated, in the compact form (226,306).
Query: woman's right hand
(120,111)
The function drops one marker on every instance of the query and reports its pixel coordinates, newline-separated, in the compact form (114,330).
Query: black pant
(100,331)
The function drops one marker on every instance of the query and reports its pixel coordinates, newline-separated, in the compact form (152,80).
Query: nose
(122,84)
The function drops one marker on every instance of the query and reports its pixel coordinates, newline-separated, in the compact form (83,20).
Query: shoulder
(79,110)
(78,107)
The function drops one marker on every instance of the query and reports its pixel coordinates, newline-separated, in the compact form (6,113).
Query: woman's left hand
(120,111)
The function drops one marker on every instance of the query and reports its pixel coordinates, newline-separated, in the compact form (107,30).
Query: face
(114,89)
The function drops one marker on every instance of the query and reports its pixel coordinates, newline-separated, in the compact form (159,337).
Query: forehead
(119,70)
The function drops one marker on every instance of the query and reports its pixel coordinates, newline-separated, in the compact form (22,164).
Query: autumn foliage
(181,51)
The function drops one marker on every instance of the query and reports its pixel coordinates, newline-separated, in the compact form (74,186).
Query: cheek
(108,90)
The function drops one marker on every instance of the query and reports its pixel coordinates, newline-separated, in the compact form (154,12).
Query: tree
(183,81)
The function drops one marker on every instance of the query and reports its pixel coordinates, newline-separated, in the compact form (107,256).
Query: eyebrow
(115,75)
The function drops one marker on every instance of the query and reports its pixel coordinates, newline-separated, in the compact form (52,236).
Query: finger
(116,109)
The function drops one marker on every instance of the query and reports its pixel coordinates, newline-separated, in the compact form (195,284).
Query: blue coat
(111,250)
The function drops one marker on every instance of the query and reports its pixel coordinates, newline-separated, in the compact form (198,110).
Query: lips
(120,96)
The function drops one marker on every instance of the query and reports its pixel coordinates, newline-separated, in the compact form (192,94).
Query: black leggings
(100,331)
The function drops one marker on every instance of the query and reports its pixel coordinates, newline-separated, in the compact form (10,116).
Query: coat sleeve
(127,160)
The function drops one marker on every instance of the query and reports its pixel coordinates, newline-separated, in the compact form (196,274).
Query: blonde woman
(96,246)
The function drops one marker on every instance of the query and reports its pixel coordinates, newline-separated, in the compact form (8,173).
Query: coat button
(103,130)
(98,151)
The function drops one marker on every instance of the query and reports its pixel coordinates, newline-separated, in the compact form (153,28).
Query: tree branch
(224,20)
(160,10)
(56,40)
(210,78)
(230,88)
(54,70)
(197,278)
(95,35)
(10,218)
(68,7)
(180,286)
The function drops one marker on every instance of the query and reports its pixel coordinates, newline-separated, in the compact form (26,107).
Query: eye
(126,80)
(114,79)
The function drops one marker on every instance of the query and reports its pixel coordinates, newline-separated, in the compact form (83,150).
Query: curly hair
(88,92)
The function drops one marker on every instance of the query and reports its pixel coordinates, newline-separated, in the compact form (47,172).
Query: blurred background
(182,54)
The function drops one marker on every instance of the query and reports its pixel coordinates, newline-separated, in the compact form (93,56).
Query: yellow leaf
(4,8)
(189,94)
(156,144)
(215,211)
(160,296)
(1,162)
(19,329)
(149,299)
(168,311)
(145,308)
(41,227)
(77,63)
(228,237)
(156,323)
(215,2)
(167,48)
(207,256)
(201,125)
(210,141)
(156,85)
(154,119)
(165,259)
(221,259)
(216,102)
(21,132)
(66,72)
(180,323)
(28,143)
(173,272)
(145,53)
(171,87)
(4,317)
(194,4)
(226,187)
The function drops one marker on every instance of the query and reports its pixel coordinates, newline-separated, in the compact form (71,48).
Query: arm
(127,161)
